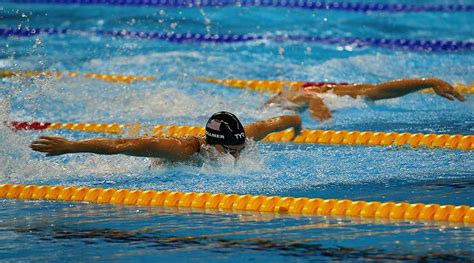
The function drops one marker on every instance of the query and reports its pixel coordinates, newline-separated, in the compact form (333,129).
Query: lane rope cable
(276,86)
(403,44)
(301,4)
(235,202)
(368,138)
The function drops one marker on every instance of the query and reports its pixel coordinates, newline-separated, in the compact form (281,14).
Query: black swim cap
(224,128)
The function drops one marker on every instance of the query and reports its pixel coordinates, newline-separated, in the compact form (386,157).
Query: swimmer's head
(224,128)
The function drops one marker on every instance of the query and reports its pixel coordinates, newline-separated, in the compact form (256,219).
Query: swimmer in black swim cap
(224,132)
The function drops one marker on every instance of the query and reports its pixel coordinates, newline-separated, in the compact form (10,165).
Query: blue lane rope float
(302,4)
(404,44)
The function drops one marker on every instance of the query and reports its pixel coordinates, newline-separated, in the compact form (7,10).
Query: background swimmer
(308,95)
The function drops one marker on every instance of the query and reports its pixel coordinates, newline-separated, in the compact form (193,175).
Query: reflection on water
(158,240)
(124,231)
(462,183)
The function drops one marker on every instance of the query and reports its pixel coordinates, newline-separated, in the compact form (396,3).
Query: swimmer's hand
(318,109)
(445,89)
(52,145)
(298,127)
(321,114)
(275,100)
(297,131)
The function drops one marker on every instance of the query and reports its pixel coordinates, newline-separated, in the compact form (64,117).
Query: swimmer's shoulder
(192,142)
(190,145)
(183,146)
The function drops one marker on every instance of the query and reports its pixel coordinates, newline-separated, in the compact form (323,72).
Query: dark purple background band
(303,4)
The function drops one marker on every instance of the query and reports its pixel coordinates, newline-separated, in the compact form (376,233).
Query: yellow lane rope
(461,142)
(456,141)
(276,86)
(260,203)
(96,127)
(104,77)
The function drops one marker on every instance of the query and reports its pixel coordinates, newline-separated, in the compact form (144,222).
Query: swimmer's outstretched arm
(316,105)
(398,88)
(258,130)
(318,109)
(173,149)
(385,90)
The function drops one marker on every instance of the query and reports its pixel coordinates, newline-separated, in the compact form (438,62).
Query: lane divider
(368,138)
(302,4)
(276,86)
(235,202)
(104,77)
(403,44)
(86,127)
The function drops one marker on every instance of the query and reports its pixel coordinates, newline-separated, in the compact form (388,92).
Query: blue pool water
(58,231)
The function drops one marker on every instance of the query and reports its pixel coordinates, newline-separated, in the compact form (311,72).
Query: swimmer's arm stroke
(384,90)
(173,149)
(398,88)
(258,130)
(316,105)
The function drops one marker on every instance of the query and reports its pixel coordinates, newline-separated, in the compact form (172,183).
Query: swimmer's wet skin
(308,96)
(224,132)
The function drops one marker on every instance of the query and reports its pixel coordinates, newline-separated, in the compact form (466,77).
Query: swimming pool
(47,230)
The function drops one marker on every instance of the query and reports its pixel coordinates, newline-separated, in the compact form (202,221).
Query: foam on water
(20,164)
(154,102)
(381,67)
(145,60)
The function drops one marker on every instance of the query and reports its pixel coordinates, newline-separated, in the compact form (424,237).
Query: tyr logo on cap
(239,135)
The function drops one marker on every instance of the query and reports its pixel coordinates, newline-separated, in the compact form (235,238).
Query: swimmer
(224,133)
(308,95)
